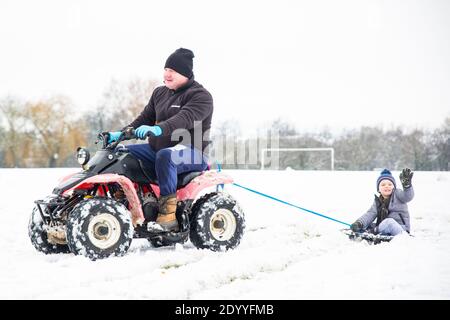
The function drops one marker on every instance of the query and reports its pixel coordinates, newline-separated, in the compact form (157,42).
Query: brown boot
(167,220)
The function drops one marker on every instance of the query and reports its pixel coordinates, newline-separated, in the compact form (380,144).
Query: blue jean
(169,162)
(390,227)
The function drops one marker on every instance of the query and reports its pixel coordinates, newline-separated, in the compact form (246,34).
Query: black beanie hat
(181,62)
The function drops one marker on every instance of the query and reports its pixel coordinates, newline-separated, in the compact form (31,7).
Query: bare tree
(124,101)
(441,143)
(55,132)
(225,136)
(13,142)
(121,103)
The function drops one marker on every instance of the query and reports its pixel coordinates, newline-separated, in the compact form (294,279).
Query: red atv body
(98,211)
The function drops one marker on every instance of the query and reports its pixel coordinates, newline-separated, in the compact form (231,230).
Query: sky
(316,64)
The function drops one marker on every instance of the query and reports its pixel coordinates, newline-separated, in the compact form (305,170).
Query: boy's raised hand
(406,177)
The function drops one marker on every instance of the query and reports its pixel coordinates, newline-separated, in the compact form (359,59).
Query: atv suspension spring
(68,205)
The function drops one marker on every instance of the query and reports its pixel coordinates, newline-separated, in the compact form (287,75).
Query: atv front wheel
(217,223)
(38,236)
(98,228)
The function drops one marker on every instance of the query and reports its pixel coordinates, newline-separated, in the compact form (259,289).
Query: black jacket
(189,108)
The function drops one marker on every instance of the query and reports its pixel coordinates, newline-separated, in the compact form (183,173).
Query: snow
(286,253)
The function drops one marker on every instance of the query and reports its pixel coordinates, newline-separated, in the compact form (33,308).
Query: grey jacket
(398,209)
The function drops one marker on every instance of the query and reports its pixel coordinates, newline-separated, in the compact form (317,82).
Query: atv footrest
(175,237)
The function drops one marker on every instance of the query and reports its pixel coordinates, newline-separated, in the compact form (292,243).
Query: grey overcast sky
(317,63)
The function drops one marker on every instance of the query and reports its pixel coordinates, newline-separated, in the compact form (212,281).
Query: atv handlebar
(126,134)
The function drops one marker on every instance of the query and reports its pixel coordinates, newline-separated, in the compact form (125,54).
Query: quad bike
(98,211)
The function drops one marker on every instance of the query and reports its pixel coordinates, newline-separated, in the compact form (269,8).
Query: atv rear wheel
(98,228)
(38,236)
(217,223)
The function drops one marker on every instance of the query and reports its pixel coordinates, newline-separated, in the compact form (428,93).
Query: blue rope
(219,186)
(289,204)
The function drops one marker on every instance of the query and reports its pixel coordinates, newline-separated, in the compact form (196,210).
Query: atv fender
(67,177)
(207,179)
(137,215)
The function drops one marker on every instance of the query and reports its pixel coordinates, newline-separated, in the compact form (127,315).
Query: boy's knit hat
(385,175)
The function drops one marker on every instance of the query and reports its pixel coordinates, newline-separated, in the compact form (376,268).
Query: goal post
(265,150)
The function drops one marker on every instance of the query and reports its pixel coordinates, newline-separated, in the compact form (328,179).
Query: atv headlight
(83,156)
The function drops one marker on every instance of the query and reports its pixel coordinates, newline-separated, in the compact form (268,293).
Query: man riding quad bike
(98,211)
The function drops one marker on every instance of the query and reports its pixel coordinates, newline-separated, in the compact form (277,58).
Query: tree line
(46,133)
(365,148)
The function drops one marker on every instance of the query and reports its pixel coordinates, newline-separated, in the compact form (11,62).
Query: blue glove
(142,131)
(114,136)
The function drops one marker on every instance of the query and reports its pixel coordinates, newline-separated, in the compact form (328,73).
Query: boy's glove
(356,226)
(373,230)
(405,177)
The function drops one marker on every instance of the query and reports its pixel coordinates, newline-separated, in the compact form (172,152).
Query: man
(181,105)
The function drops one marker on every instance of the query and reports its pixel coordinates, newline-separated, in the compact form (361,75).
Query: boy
(389,208)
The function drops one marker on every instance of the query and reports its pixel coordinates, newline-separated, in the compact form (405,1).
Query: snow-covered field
(285,253)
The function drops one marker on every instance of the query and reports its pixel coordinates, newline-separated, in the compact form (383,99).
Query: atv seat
(182,181)
(185,178)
